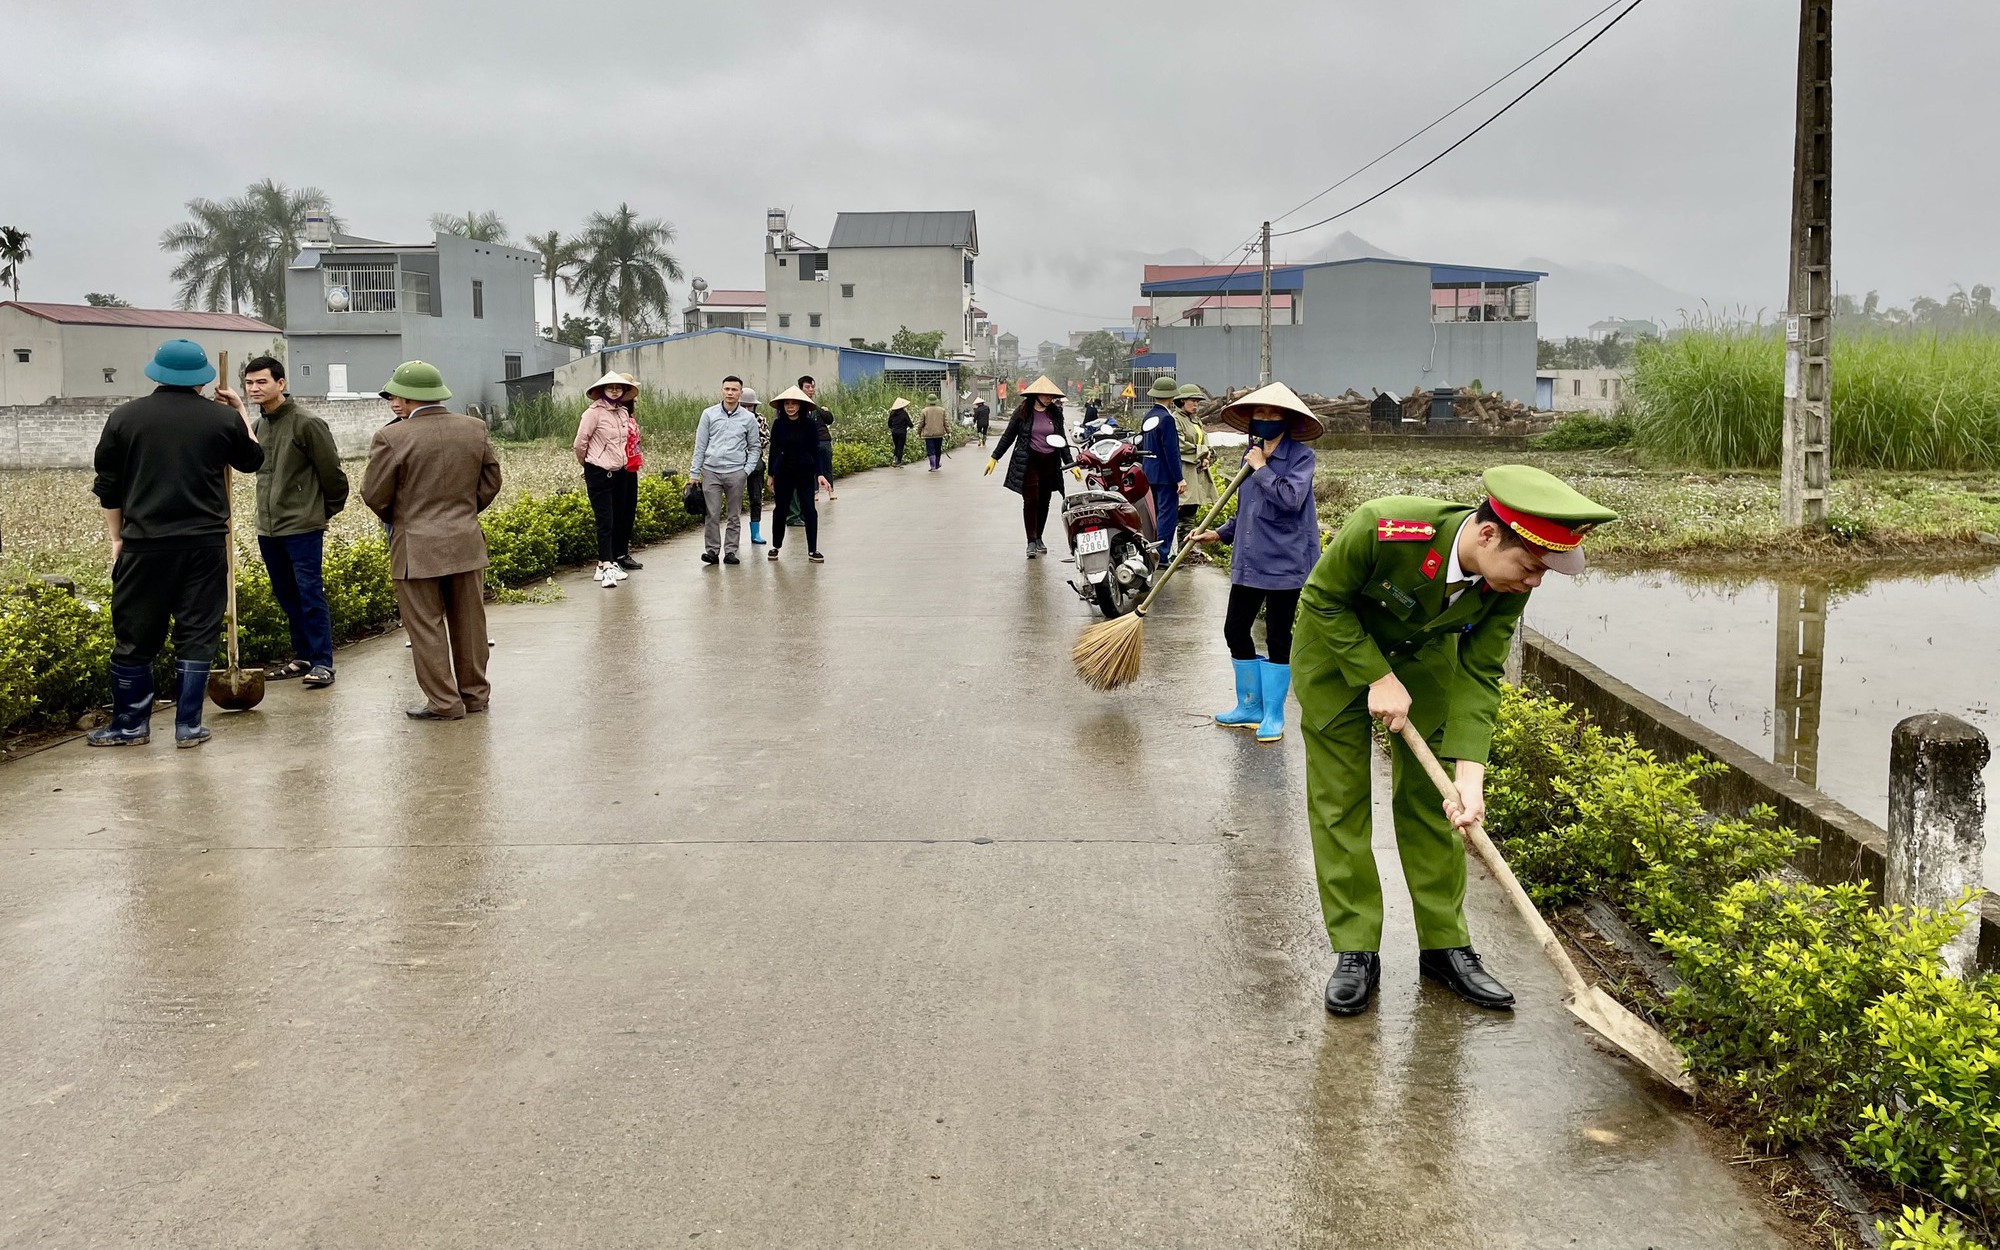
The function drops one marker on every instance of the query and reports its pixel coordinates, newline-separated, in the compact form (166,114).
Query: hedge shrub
(55,647)
(1823,1017)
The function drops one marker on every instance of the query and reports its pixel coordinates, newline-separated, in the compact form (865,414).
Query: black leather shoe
(627,562)
(1352,985)
(1459,970)
(709,557)
(731,559)
(425,711)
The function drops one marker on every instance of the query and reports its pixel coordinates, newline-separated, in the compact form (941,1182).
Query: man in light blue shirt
(725,450)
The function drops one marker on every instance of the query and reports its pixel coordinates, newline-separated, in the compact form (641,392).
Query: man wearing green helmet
(430,474)
(1195,454)
(1408,616)
(1161,445)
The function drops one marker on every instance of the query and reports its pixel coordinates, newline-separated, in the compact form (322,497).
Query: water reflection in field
(1810,675)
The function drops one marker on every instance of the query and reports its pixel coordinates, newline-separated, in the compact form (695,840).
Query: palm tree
(477,226)
(14,253)
(239,249)
(101,299)
(218,254)
(626,267)
(559,255)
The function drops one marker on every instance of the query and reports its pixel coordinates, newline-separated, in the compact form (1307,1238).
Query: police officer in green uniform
(1409,615)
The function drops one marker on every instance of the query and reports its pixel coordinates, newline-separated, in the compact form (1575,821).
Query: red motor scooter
(1110,523)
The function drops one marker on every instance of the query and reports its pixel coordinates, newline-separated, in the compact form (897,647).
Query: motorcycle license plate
(1090,542)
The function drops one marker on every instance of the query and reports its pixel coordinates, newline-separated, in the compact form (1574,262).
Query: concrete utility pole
(1809,319)
(1264,350)
(1937,823)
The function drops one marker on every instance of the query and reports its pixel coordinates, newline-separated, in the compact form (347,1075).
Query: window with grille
(23,355)
(784,321)
(847,290)
(478,298)
(511,366)
(812,319)
(369,285)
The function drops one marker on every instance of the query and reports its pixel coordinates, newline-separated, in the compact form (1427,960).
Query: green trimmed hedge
(1820,1017)
(55,647)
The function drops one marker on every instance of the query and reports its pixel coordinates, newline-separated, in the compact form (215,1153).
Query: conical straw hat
(610,379)
(1042,386)
(792,392)
(1305,426)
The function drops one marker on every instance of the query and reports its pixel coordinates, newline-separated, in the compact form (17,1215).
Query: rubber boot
(1249,709)
(193,676)
(131,708)
(1277,684)
(756,533)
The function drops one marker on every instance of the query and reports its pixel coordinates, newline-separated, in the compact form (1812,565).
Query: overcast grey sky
(1083,134)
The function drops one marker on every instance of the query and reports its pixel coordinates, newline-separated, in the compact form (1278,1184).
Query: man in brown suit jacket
(430,474)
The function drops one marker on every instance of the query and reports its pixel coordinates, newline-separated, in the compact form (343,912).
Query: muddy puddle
(1811,675)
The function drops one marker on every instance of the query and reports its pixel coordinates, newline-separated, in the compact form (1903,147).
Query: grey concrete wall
(696,365)
(1362,327)
(1850,847)
(919,287)
(39,378)
(64,436)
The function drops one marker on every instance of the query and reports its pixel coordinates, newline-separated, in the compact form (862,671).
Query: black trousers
(1279,608)
(901,439)
(151,590)
(795,494)
(755,493)
(1044,478)
(614,499)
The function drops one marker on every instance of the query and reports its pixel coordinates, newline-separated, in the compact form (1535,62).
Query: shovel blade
(1612,1021)
(236,689)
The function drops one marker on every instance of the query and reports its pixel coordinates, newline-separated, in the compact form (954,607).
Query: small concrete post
(1510,671)
(1937,821)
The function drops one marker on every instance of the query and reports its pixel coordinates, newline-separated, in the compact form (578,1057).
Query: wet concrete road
(772,906)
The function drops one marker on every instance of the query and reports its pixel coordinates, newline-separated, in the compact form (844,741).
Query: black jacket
(1020,437)
(825,423)
(160,459)
(794,446)
(899,421)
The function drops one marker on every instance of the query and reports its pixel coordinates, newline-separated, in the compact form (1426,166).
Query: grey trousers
(724,492)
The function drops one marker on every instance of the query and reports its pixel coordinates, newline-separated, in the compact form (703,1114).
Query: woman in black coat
(1035,470)
(794,465)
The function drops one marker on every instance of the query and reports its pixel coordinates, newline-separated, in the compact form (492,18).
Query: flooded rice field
(1809,675)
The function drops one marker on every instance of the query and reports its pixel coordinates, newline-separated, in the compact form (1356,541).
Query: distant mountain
(1346,246)
(1573,296)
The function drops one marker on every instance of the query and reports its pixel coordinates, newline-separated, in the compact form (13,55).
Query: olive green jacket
(301,486)
(1376,602)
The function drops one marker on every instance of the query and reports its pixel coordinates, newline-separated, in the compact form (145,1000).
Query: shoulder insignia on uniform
(1432,563)
(1404,531)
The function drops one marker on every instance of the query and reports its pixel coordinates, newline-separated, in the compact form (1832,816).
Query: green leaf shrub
(1924,1230)
(1584,433)
(55,652)
(856,457)
(1777,978)
(1933,1117)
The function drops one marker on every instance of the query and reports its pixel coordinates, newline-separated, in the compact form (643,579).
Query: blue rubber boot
(193,678)
(1249,709)
(1277,684)
(756,533)
(131,708)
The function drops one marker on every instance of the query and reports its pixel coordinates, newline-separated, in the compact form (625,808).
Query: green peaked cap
(1537,492)
(1163,388)
(415,379)
(1190,391)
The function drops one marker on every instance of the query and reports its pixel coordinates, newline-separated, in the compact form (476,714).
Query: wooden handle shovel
(1609,1018)
(233,688)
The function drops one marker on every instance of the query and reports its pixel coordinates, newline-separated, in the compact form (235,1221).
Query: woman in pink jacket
(607,446)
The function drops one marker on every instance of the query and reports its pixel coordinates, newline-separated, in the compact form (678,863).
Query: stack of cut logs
(1351,411)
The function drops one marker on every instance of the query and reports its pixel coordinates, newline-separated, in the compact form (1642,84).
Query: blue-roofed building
(1366,324)
(696,363)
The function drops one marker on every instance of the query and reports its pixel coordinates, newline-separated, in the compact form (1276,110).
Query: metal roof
(777,338)
(1249,280)
(959,229)
(152,318)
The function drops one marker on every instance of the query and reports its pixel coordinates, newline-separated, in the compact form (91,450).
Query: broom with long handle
(1107,656)
(1609,1018)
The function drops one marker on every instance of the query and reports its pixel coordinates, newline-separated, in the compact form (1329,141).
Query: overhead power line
(1604,30)
(1456,109)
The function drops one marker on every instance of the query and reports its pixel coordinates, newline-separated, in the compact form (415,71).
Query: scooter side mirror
(1058,441)
(1152,423)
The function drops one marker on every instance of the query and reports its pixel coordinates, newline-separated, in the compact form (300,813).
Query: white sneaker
(603,578)
(616,573)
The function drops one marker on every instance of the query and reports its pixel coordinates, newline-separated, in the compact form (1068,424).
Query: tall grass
(1714,395)
(667,419)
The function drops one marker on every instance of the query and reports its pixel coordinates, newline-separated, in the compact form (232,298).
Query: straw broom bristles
(1107,656)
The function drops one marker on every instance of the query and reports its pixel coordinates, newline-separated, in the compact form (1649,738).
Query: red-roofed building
(724,310)
(77,351)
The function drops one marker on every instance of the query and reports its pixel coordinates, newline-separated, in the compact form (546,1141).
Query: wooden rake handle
(1490,856)
(1214,510)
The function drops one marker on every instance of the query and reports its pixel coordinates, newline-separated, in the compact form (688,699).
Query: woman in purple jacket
(1275,535)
